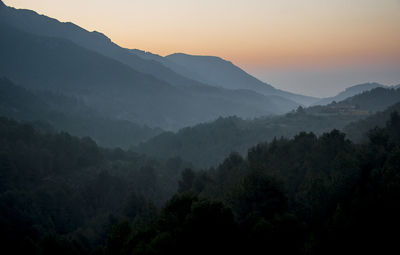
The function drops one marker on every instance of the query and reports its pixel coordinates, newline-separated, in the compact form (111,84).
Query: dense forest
(205,144)
(306,195)
(304,189)
(208,144)
(57,185)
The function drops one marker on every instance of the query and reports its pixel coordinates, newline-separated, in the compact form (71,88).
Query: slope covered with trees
(349,92)
(357,130)
(207,144)
(306,195)
(46,110)
(56,185)
(377,99)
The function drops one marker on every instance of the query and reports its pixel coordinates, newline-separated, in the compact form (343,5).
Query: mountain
(207,144)
(159,67)
(219,72)
(31,22)
(370,101)
(56,111)
(117,90)
(349,92)
(374,100)
(182,70)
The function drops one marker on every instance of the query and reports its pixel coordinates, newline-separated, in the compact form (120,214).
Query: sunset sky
(315,47)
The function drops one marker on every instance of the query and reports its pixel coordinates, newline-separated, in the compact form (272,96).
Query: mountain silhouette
(376,99)
(219,72)
(349,92)
(161,68)
(117,90)
(31,22)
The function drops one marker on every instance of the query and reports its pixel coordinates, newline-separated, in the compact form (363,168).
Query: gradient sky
(315,47)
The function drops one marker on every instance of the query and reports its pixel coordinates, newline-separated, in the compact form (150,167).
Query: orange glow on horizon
(274,34)
(251,32)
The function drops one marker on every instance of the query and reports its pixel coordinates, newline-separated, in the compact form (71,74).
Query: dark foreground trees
(306,195)
(60,192)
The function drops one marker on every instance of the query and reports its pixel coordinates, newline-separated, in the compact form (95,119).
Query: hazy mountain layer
(207,144)
(349,92)
(53,110)
(219,72)
(162,68)
(30,21)
(373,100)
(116,90)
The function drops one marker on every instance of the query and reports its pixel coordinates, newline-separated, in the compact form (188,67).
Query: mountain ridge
(116,89)
(32,22)
(349,92)
(217,71)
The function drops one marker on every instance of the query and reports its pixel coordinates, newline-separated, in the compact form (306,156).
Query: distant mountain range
(349,92)
(179,90)
(43,53)
(31,22)
(117,90)
(374,100)
(219,72)
(162,68)
(365,103)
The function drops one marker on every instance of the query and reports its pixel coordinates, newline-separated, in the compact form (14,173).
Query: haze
(315,47)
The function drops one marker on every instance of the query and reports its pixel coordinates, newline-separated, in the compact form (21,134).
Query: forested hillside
(57,185)
(46,110)
(207,144)
(306,195)
(371,101)
(356,130)
(349,92)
